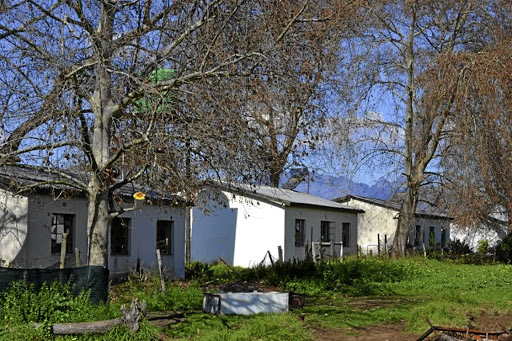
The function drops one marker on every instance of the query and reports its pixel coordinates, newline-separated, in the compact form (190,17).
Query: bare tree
(409,56)
(73,74)
(478,161)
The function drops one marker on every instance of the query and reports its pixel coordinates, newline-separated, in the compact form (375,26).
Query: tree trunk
(103,107)
(97,225)
(405,220)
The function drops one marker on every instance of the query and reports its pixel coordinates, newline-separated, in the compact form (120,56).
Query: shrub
(53,303)
(504,249)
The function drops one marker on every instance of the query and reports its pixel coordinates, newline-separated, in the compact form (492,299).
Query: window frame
(55,247)
(345,234)
(125,222)
(167,249)
(432,236)
(417,235)
(300,230)
(325,229)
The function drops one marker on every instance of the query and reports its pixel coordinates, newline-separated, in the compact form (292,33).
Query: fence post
(63,246)
(159,260)
(280,253)
(332,249)
(77,257)
(386,245)
(378,244)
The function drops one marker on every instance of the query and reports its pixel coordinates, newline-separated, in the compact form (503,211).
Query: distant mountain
(330,187)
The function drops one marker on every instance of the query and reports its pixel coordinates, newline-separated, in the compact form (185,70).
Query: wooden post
(77,257)
(313,251)
(386,245)
(63,250)
(270,257)
(424,251)
(188,229)
(280,253)
(333,249)
(378,244)
(159,260)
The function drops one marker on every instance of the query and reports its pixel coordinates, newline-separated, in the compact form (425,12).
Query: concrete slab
(245,303)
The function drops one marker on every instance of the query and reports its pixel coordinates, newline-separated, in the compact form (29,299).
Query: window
(432,236)
(120,237)
(417,236)
(164,236)
(345,234)
(62,223)
(325,231)
(299,232)
(444,237)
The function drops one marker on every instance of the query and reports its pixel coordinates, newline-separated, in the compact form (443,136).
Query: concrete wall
(383,221)
(313,218)
(237,228)
(36,249)
(143,240)
(13,229)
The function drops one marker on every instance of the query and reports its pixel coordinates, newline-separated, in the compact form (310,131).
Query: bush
(53,303)
(458,248)
(504,249)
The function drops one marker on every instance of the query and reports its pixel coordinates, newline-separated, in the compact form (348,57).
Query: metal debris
(456,334)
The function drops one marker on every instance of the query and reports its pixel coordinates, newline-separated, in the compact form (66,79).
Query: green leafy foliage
(147,287)
(53,303)
(504,249)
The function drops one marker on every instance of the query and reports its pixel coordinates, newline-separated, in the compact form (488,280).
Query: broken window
(299,232)
(120,237)
(164,236)
(62,223)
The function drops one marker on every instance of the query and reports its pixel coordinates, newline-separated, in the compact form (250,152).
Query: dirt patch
(367,304)
(260,286)
(490,321)
(369,333)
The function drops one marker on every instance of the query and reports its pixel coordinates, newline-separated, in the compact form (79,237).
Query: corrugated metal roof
(21,178)
(286,197)
(392,205)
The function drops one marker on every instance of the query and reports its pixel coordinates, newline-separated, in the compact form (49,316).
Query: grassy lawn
(342,296)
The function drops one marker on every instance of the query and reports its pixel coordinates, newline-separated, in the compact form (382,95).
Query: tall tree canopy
(93,85)
(412,57)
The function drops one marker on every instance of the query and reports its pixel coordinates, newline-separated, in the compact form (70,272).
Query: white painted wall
(13,229)
(40,210)
(313,218)
(143,240)
(473,235)
(35,212)
(237,228)
(380,220)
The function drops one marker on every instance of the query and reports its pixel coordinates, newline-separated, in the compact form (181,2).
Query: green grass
(445,293)
(343,295)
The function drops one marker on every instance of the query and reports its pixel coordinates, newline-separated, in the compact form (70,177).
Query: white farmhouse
(379,221)
(32,225)
(241,224)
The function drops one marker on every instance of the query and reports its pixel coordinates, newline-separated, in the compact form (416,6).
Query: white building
(32,226)
(241,224)
(493,230)
(379,221)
